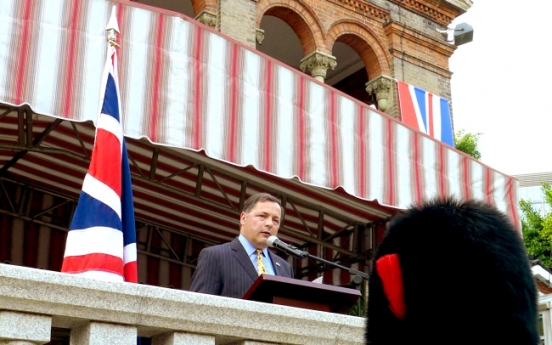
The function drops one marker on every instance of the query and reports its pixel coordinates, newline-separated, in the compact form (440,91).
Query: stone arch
(299,17)
(361,38)
(204,5)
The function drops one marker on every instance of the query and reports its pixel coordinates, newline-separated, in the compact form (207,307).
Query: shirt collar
(249,248)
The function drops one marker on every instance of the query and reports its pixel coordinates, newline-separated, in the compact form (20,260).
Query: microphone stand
(358,277)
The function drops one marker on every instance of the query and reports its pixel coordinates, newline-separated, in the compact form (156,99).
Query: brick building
(356,46)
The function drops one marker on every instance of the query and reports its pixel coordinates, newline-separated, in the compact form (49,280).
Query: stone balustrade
(33,301)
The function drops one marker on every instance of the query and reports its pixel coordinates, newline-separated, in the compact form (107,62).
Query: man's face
(260,223)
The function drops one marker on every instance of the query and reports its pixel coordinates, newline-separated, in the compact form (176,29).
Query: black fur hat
(452,272)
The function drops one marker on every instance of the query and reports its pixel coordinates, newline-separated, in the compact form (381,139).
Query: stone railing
(33,301)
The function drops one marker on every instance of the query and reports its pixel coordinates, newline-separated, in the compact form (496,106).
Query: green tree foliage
(537,229)
(467,142)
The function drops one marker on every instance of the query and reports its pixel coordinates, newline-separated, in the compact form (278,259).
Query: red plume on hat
(452,272)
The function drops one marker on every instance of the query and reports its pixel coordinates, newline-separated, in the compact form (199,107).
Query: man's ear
(242,218)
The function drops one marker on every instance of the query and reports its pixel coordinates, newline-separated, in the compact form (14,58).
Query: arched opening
(280,41)
(350,75)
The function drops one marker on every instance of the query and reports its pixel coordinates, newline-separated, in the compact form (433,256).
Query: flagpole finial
(112,28)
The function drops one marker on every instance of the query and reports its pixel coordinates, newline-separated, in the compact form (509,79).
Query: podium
(302,294)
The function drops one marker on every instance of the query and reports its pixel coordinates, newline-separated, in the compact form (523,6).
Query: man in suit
(230,269)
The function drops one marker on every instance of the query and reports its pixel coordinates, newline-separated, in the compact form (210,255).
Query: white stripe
(101,192)
(251,109)
(215,100)
(477,185)
(453,174)
(376,163)
(100,275)
(47,70)
(347,129)
(97,239)
(110,124)
(178,77)
(499,191)
(403,174)
(437,113)
(285,138)
(6,24)
(95,46)
(317,140)
(130,253)
(429,167)
(135,71)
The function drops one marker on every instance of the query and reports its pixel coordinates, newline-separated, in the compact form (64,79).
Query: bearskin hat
(452,272)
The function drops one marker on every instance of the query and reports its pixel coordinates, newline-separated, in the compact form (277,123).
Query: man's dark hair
(261,197)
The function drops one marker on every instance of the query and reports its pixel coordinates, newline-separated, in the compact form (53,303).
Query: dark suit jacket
(227,270)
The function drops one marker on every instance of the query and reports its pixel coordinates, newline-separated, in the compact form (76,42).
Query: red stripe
(417,175)
(268,117)
(408,114)
(430,105)
(361,159)
(130,270)
(106,160)
(466,177)
(334,178)
(196,144)
(489,186)
(157,65)
(233,102)
(71,53)
(301,130)
(93,262)
(513,208)
(390,167)
(442,170)
(24,52)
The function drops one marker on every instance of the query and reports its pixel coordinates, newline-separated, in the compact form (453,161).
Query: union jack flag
(101,242)
(426,112)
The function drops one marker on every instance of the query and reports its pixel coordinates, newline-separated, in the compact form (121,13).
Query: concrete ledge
(73,301)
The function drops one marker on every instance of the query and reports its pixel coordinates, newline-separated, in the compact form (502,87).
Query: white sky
(502,83)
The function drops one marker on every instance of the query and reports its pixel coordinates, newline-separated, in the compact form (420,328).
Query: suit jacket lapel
(243,258)
(277,268)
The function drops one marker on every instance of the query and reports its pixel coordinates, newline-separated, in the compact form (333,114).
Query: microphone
(275,242)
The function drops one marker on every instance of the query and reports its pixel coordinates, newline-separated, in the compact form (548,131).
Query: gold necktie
(260,265)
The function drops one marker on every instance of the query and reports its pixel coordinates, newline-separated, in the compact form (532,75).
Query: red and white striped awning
(186,86)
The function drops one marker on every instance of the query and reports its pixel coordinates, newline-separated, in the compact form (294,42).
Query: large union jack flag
(101,242)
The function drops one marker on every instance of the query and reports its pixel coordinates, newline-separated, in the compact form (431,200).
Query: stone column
(24,329)
(381,88)
(317,64)
(259,35)
(178,338)
(98,333)
(207,18)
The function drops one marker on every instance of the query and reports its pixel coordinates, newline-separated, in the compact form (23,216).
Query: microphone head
(271,240)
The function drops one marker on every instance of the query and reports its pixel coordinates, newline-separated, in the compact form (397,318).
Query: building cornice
(364,8)
(419,38)
(442,12)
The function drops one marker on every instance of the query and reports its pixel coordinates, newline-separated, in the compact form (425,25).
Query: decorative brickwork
(364,8)
(204,5)
(431,9)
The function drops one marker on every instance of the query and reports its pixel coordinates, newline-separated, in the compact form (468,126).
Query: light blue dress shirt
(252,252)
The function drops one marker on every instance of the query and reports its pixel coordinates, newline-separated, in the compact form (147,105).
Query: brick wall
(237,20)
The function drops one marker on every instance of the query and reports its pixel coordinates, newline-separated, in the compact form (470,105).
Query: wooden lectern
(301,294)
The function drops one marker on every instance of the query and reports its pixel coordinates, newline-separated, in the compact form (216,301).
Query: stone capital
(207,18)
(259,35)
(380,88)
(317,64)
